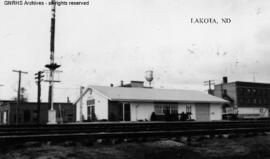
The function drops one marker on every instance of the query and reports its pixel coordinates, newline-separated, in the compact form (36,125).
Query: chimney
(224,92)
(210,91)
(225,79)
(137,84)
(121,83)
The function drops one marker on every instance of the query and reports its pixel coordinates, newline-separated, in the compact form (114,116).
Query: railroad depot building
(134,102)
(248,99)
(12,113)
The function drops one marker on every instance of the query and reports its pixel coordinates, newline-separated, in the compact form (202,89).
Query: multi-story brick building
(248,99)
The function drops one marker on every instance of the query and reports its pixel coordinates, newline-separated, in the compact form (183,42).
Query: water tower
(149,76)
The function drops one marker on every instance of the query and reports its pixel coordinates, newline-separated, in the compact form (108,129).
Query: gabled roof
(154,95)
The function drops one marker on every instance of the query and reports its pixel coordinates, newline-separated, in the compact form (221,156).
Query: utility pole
(209,83)
(39,76)
(81,114)
(19,91)
(52,67)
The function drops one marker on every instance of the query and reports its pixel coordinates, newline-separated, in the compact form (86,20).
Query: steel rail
(128,129)
(106,135)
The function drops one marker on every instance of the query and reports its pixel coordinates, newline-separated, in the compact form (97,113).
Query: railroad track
(98,130)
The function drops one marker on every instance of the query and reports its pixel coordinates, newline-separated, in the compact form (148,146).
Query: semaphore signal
(52,67)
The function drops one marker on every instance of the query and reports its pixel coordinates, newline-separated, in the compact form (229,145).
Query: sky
(109,41)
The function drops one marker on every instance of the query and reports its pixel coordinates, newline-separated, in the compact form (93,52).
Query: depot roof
(153,95)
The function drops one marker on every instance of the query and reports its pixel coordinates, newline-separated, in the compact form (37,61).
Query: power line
(209,83)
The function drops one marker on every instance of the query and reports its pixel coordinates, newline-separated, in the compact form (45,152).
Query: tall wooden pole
(81,104)
(209,83)
(18,92)
(39,76)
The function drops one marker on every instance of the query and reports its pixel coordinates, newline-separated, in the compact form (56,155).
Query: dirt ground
(252,147)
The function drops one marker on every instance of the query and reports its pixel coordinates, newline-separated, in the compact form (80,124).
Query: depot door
(202,112)
(126,112)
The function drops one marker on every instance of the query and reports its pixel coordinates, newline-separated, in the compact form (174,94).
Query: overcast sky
(109,41)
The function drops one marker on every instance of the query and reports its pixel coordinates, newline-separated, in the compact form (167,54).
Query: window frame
(163,109)
(188,108)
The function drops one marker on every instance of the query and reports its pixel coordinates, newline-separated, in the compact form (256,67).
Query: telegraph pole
(19,83)
(19,91)
(209,83)
(81,114)
(52,67)
(39,76)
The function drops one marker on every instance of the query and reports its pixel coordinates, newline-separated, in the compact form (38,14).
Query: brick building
(27,112)
(248,99)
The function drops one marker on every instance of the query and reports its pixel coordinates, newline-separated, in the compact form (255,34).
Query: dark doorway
(127,112)
(115,111)
(91,113)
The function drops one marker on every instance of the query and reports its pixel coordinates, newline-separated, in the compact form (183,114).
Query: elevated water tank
(149,76)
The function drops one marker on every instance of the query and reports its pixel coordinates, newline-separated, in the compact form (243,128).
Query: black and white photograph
(134,79)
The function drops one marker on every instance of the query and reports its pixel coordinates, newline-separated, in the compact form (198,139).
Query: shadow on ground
(256,147)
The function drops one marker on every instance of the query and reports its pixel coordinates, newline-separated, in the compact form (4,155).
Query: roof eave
(178,101)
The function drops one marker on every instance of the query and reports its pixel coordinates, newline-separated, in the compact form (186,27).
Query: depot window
(162,109)
(188,108)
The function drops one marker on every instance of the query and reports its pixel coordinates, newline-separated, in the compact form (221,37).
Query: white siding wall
(245,110)
(78,111)
(193,111)
(101,105)
(215,112)
(141,111)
